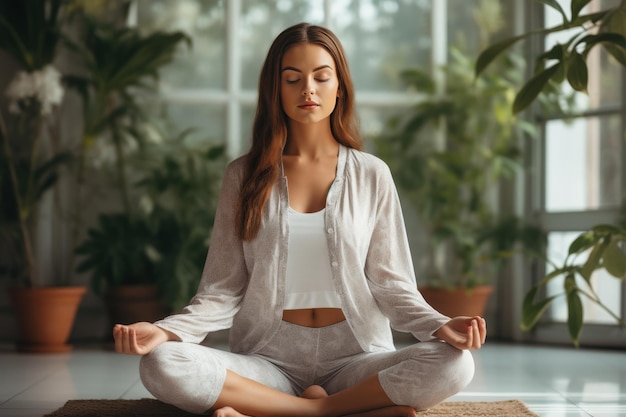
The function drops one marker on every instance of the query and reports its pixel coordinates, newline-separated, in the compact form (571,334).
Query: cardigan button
(330,231)
(335,264)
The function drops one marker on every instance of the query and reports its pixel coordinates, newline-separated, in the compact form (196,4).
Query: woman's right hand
(139,338)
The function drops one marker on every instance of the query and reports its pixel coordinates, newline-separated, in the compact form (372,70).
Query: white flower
(43,86)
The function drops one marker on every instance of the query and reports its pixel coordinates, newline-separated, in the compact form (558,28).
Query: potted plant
(602,246)
(179,199)
(31,33)
(150,265)
(121,63)
(454,183)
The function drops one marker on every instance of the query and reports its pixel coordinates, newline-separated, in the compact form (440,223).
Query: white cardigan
(243,283)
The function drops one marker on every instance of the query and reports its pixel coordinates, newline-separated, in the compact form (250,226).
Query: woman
(309,266)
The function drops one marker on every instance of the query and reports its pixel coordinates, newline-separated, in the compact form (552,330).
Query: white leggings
(191,376)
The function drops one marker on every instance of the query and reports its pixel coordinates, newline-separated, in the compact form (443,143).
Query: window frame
(606,335)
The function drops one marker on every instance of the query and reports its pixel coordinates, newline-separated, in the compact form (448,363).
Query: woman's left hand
(464,332)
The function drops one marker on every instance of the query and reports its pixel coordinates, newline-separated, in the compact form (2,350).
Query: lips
(308,105)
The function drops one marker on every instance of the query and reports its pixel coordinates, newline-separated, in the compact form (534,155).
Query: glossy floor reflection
(554,382)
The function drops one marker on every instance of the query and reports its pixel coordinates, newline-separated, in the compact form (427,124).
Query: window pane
(206,120)
(261,21)
(582,165)
(202,65)
(608,288)
(383,37)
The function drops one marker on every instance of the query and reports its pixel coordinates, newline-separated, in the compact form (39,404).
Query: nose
(308,89)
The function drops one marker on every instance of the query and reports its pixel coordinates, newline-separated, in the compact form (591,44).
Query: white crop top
(309,282)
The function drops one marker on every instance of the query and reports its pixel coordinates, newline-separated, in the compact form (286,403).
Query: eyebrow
(321,67)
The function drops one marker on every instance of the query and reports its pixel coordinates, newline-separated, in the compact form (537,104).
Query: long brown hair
(269,132)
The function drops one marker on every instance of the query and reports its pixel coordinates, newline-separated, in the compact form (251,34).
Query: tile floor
(554,382)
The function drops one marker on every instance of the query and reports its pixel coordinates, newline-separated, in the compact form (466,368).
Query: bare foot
(314,392)
(395,411)
(228,412)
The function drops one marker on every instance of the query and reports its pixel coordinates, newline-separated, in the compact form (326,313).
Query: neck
(311,140)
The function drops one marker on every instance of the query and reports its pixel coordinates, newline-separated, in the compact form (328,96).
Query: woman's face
(309,83)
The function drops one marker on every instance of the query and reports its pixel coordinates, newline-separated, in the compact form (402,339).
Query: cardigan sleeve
(389,266)
(224,277)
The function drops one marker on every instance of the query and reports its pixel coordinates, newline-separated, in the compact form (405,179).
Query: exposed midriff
(314,317)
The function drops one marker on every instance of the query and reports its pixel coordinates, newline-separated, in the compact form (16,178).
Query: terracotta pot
(45,316)
(458,301)
(128,304)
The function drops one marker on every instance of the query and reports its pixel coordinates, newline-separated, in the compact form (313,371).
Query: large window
(212,86)
(581,182)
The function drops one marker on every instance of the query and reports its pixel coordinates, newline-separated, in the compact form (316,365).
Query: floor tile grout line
(137,381)
(30,386)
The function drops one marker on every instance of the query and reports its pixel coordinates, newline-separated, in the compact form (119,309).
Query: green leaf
(583,242)
(593,261)
(616,24)
(569,284)
(531,311)
(489,54)
(574,310)
(614,259)
(555,273)
(577,6)
(556,52)
(574,307)
(533,87)
(605,38)
(605,229)
(577,74)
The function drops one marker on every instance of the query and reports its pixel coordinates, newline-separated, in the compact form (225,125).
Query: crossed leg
(196,378)
(246,398)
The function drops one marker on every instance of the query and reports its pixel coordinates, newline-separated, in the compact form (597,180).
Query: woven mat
(149,408)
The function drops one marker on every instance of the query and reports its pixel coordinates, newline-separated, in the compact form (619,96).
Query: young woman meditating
(309,267)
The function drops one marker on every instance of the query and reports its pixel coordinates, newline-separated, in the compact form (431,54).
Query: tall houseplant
(454,182)
(123,66)
(31,34)
(166,243)
(179,196)
(602,246)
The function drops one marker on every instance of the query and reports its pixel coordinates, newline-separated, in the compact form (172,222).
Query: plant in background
(117,251)
(602,246)
(123,66)
(454,181)
(179,199)
(31,32)
(121,63)
(566,61)
(167,239)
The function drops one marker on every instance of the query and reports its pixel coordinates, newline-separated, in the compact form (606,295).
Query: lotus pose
(309,267)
